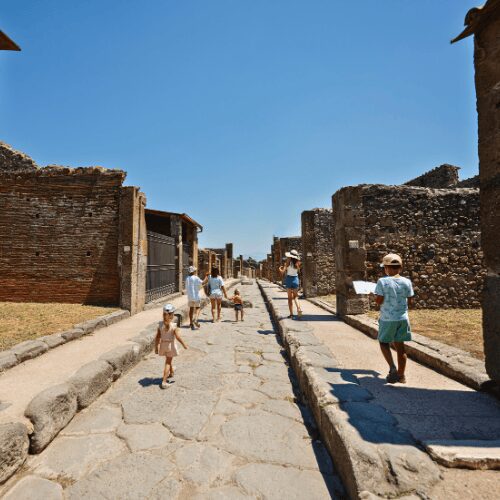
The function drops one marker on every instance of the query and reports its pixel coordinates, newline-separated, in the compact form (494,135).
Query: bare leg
(196,315)
(242,314)
(289,291)
(170,364)
(400,349)
(166,370)
(236,314)
(386,351)
(296,300)
(191,310)
(219,304)
(212,303)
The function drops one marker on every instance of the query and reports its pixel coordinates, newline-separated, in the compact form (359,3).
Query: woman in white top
(290,271)
(217,290)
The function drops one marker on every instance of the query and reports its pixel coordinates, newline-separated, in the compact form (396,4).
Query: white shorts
(194,303)
(216,294)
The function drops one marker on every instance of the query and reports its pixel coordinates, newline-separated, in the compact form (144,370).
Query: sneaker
(393,376)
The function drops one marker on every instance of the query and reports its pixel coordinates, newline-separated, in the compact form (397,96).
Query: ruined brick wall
(60,233)
(436,231)
(472,182)
(487,76)
(11,159)
(318,256)
(444,176)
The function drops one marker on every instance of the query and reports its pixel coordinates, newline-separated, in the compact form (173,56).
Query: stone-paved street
(227,428)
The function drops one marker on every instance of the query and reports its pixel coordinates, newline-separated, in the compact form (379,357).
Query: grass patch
(29,320)
(461,328)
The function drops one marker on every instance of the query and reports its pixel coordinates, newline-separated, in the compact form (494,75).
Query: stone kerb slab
(373,455)
(52,409)
(32,348)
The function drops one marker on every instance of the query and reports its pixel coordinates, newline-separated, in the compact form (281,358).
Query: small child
(165,344)
(393,294)
(238,304)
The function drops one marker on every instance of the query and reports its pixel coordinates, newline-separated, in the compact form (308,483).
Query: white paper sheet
(364,287)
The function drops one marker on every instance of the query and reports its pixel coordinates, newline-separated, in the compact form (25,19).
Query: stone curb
(53,408)
(30,349)
(374,457)
(452,362)
(448,360)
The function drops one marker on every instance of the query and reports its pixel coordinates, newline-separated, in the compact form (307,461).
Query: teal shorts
(394,331)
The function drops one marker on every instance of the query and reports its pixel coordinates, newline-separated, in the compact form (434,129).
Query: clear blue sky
(241,113)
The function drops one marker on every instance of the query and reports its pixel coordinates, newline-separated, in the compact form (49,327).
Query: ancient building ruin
(318,255)
(78,235)
(435,230)
(484,24)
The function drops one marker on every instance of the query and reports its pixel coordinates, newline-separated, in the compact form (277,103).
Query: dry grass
(461,328)
(332,298)
(26,321)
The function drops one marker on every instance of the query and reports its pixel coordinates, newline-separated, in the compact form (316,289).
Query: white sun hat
(293,254)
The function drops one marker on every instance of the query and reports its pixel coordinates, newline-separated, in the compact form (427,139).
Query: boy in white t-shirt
(393,294)
(193,285)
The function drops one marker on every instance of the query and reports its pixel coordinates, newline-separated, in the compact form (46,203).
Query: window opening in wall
(90,214)
(37,216)
(88,253)
(37,254)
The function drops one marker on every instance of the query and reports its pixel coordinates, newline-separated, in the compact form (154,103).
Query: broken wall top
(444,176)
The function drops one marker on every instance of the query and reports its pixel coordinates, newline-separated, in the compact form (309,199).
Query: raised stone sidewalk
(229,427)
(377,432)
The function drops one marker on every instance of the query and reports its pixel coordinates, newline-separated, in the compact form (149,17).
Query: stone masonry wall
(318,257)
(60,233)
(444,176)
(436,231)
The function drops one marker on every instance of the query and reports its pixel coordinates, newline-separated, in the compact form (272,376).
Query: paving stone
(269,438)
(247,358)
(191,414)
(35,488)
(272,482)
(170,488)
(74,457)
(90,381)
(245,397)
(14,444)
(128,477)
(29,349)
(273,371)
(144,436)
(277,390)
(283,408)
(50,411)
(94,421)
(202,464)
(224,493)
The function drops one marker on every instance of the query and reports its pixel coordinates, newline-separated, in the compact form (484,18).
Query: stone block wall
(444,176)
(318,256)
(60,233)
(436,231)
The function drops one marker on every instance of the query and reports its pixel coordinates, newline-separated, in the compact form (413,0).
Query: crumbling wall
(444,176)
(436,231)
(60,233)
(318,256)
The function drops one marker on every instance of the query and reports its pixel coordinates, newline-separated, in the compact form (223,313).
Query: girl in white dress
(165,344)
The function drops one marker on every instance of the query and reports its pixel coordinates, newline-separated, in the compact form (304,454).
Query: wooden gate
(161,276)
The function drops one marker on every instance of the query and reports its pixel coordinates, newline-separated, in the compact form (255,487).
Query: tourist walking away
(290,270)
(238,304)
(193,285)
(216,292)
(393,294)
(165,342)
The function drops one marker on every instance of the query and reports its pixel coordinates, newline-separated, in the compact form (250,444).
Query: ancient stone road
(227,427)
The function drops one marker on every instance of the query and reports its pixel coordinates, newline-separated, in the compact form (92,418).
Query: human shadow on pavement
(398,414)
(317,317)
(149,381)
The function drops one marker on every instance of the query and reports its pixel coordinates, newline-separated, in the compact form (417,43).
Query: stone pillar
(132,251)
(177,234)
(308,254)
(350,253)
(487,66)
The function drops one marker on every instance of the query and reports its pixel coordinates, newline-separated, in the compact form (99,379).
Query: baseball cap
(391,259)
(191,269)
(169,308)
